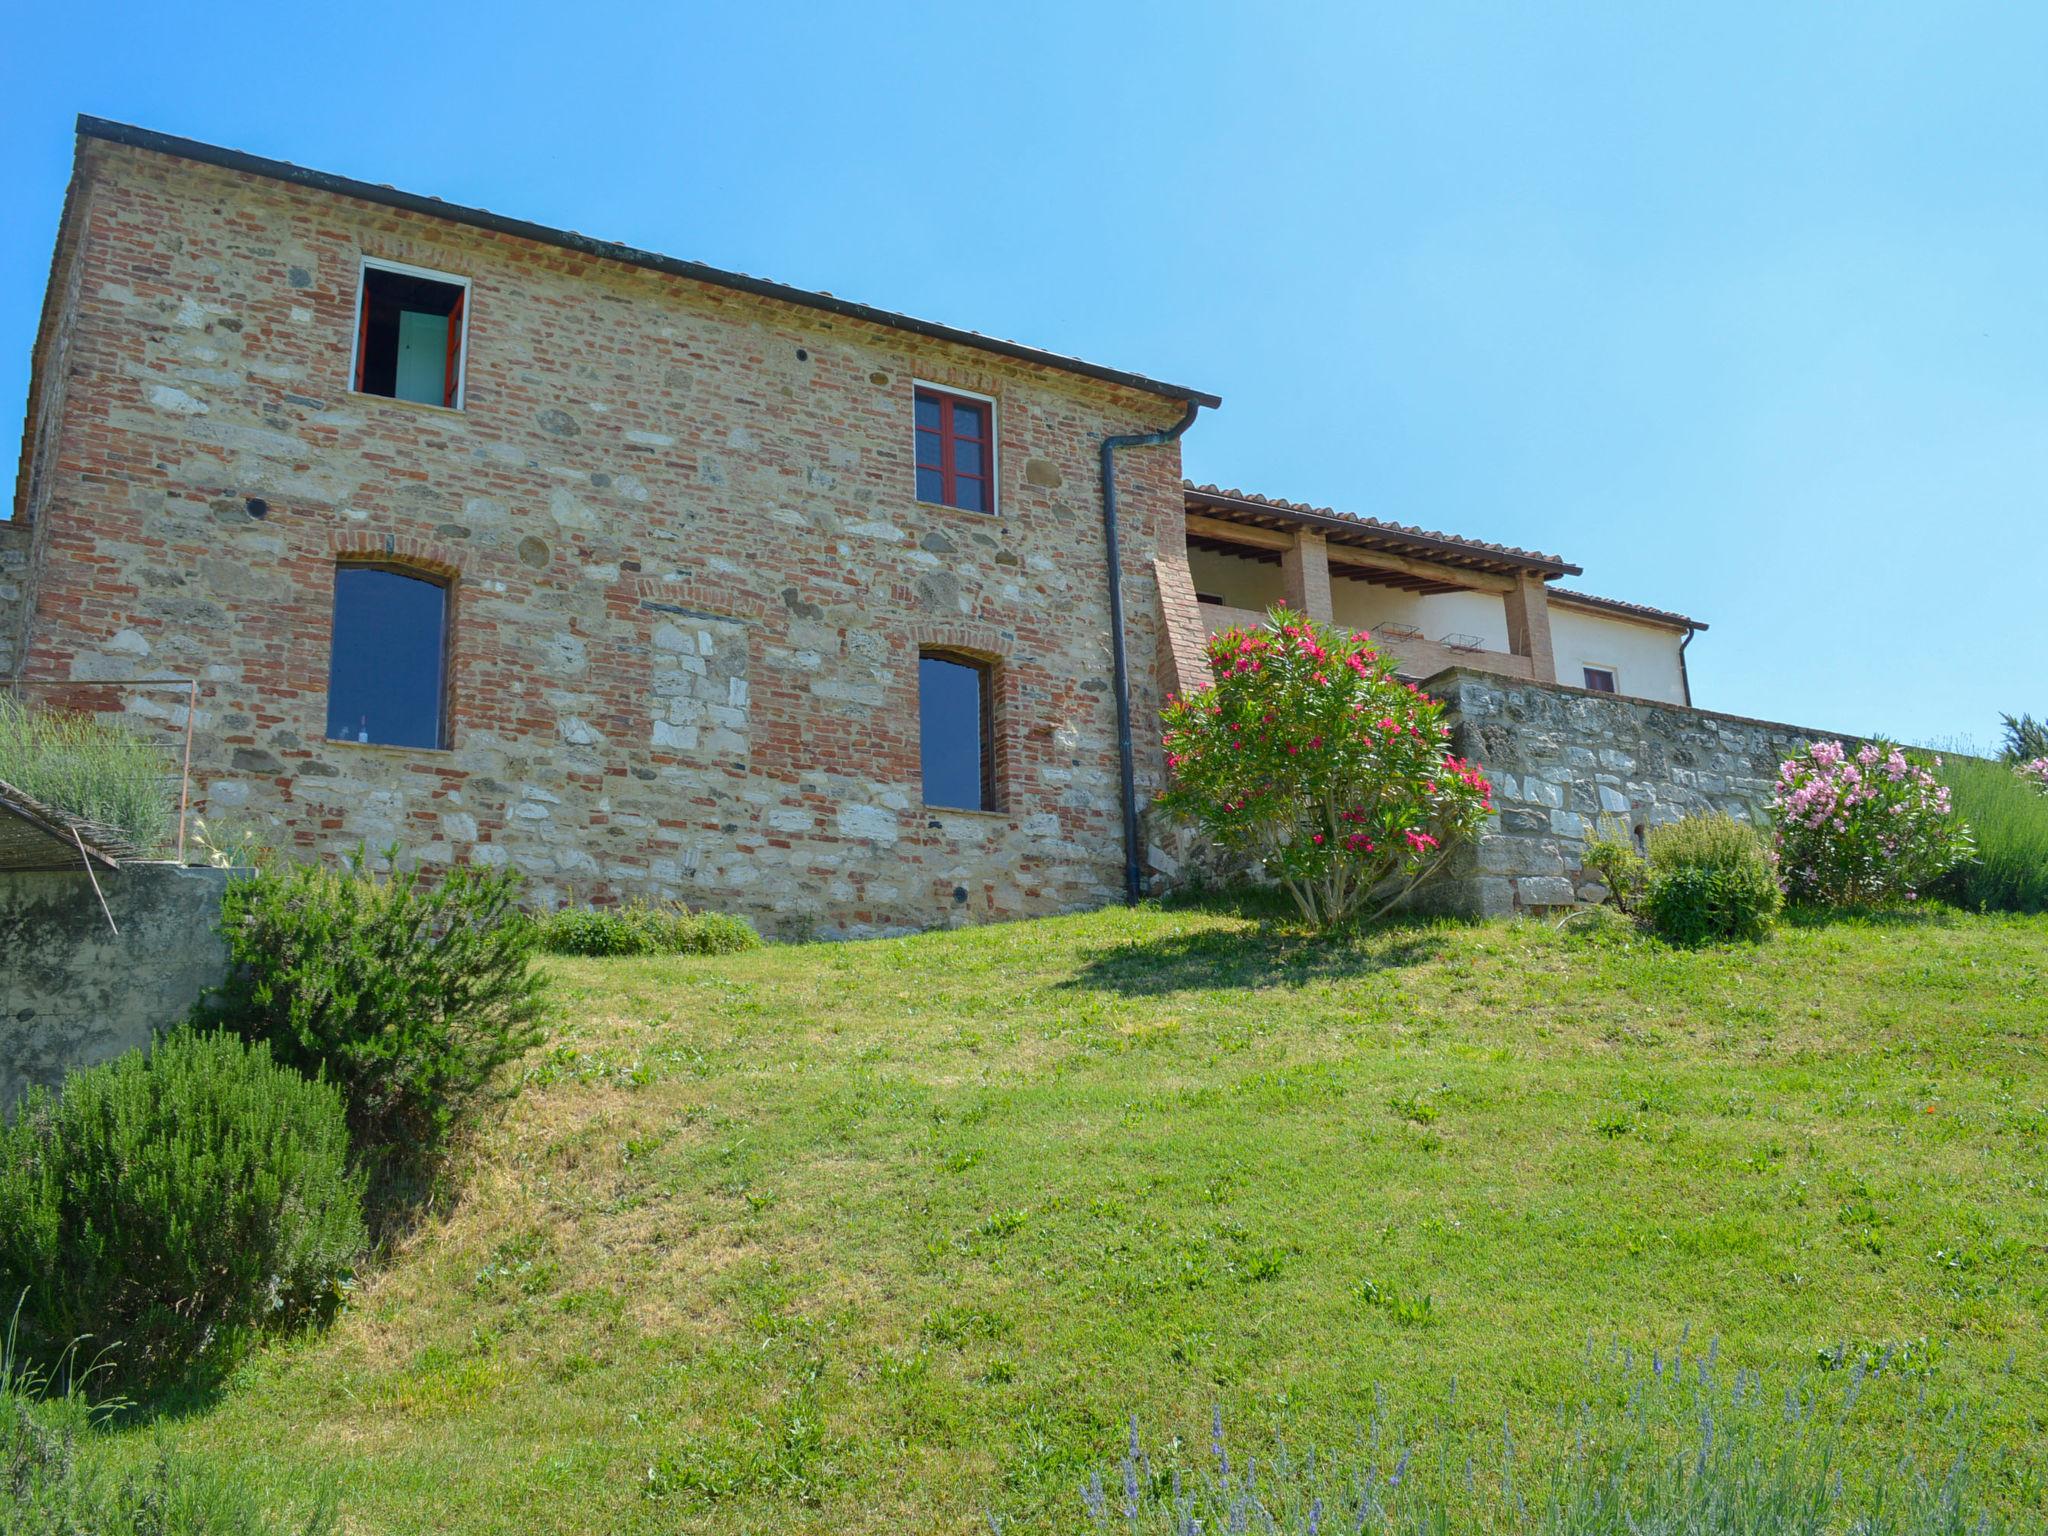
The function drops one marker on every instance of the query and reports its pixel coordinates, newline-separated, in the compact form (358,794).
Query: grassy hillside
(884,1236)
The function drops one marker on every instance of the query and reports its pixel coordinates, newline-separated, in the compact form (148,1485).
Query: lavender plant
(1674,1447)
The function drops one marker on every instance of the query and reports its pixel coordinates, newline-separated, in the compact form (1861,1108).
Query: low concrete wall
(72,993)
(1562,758)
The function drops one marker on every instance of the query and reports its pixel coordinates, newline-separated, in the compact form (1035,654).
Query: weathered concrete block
(72,992)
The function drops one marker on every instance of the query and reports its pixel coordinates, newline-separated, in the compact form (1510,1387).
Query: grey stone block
(1546,891)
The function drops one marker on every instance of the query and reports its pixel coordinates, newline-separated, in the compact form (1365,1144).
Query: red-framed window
(956,451)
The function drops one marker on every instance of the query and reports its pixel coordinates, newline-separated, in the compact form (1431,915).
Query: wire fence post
(185,774)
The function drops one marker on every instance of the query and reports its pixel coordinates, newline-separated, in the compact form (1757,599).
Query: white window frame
(995,444)
(1599,666)
(355,335)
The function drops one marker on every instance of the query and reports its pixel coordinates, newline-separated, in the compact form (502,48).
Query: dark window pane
(967,458)
(408,331)
(928,412)
(968,495)
(931,486)
(967,420)
(950,706)
(928,454)
(1599,680)
(385,673)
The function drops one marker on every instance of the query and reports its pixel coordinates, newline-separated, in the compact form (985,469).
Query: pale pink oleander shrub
(1862,829)
(2035,772)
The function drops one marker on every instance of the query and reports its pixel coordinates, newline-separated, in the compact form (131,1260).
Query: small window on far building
(387,670)
(955,451)
(410,327)
(1210,598)
(956,731)
(1600,679)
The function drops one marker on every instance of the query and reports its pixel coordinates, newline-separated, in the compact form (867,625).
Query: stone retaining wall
(1561,759)
(72,992)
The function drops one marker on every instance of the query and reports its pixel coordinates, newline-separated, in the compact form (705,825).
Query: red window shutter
(452,380)
(362,331)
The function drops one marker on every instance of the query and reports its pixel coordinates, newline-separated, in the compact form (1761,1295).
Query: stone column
(1305,565)
(1528,603)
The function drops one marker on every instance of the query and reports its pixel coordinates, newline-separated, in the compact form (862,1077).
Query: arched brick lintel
(976,640)
(429,556)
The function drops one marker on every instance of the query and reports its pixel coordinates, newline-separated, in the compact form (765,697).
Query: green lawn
(888,1235)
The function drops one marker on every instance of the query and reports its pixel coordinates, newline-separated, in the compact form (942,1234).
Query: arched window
(956,730)
(387,671)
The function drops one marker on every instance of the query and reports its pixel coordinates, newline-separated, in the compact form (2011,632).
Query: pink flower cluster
(1863,827)
(2035,773)
(1826,786)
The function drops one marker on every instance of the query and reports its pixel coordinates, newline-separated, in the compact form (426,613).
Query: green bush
(1611,854)
(1710,879)
(2009,819)
(2025,738)
(407,997)
(639,929)
(173,1203)
(75,763)
(1712,841)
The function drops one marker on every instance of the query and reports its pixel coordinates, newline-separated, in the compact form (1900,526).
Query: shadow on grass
(1926,914)
(1273,950)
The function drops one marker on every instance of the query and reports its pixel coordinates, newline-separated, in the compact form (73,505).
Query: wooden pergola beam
(1251,536)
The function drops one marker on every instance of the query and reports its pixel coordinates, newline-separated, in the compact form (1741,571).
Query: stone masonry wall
(14,552)
(1562,758)
(690,577)
(72,992)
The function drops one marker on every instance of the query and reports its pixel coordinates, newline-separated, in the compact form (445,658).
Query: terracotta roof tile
(1555,563)
(1616,605)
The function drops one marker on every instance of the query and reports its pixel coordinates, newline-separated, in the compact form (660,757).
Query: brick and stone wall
(690,577)
(1561,759)
(74,992)
(14,553)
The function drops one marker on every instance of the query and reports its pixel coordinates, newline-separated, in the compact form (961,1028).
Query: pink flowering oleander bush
(2034,772)
(1306,754)
(1862,829)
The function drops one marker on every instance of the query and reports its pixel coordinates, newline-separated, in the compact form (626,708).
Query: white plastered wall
(1643,657)
(1240,582)
(1362,605)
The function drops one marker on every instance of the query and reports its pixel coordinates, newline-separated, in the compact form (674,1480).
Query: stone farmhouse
(506,544)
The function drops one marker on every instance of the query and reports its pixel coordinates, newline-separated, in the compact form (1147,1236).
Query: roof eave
(1615,608)
(1422,543)
(606,250)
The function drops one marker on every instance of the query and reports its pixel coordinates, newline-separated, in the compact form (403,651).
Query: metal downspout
(1126,769)
(1685,677)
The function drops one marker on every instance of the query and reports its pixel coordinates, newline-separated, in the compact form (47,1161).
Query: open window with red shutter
(451,371)
(411,334)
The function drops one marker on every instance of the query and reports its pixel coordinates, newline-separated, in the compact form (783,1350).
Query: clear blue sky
(1743,311)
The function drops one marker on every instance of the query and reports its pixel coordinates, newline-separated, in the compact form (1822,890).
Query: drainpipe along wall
(1126,769)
